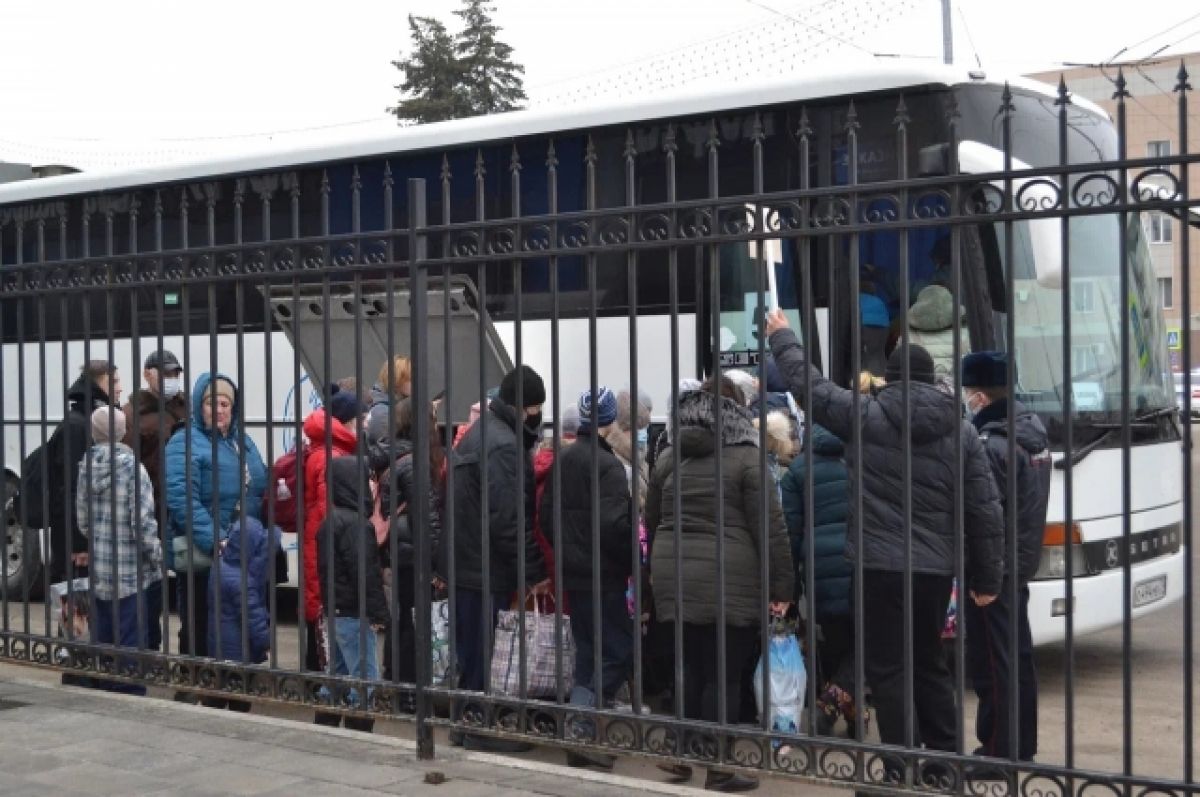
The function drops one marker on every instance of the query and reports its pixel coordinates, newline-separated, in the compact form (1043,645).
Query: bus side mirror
(1028,193)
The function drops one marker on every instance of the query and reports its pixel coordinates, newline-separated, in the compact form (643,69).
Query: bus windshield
(1096,309)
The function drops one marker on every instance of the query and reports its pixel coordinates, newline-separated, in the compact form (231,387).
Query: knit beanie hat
(920,365)
(108,425)
(223,387)
(568,425)
(533,391)
(606,408)
(344,405)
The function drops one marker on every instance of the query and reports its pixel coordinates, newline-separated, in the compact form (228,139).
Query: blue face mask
(643,437)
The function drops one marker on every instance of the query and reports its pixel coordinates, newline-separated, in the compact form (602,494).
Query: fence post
(419,508)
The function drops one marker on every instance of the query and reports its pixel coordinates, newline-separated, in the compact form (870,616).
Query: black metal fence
(635,264)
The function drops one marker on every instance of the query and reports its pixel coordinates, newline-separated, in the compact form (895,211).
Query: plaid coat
(107,472)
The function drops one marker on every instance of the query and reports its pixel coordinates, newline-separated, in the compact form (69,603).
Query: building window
(1086,358)
(1158,228)
(1166,292)
(1158,149)
(1083,296)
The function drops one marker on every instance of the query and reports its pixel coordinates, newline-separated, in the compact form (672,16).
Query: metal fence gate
(610,253)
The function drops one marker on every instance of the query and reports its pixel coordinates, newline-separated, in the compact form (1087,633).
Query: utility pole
(947,34)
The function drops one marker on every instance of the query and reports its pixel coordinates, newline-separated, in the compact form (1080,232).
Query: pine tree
(434,85)
(493,81)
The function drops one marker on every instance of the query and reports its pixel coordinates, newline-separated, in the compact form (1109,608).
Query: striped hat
(606,408)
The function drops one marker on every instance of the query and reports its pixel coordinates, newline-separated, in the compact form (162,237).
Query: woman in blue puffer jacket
(212,448)
(832,572)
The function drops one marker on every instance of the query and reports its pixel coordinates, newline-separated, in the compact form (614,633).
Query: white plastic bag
(789,682)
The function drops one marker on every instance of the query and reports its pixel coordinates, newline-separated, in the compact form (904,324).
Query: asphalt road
(1155,670)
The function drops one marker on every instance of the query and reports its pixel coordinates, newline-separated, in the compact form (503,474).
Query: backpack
(28,504)
(288,467)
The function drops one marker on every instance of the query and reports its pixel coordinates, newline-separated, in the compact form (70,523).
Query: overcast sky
(86,74)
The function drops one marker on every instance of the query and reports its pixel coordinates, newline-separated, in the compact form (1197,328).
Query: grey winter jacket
(1033,476)
(742,483)
(937,429)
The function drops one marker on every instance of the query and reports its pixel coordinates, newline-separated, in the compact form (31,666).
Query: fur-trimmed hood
(698,421)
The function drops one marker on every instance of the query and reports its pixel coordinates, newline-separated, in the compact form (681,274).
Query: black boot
(729,782)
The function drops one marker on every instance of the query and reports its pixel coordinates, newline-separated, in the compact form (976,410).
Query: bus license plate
(1149,591)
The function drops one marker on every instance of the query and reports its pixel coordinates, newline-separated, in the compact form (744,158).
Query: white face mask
(172,386)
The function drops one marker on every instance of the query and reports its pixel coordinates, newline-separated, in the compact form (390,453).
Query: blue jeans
(350,657)
(127,633)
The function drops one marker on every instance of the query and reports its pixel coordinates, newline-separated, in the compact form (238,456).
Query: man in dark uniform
(991,660)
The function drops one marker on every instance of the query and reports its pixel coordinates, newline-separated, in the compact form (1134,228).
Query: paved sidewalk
(66,741)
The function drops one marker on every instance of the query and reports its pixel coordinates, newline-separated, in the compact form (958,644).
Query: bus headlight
(1054,563)
(1055,539)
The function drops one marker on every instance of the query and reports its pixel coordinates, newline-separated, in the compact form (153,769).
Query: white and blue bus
(348,187)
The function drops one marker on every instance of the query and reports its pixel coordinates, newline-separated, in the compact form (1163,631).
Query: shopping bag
(788,681)
(73,607)
(439,637)
(541,644)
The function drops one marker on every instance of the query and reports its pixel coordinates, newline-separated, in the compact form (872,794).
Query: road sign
(1173,338)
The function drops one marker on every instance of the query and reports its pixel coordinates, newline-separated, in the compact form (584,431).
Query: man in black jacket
(935,430)
(596,545)
(98,385)
(990,658)
(496,453)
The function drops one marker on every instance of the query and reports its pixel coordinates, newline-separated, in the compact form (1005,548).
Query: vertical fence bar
(271,494)
(670,149)
(487,615)
(956,289)
(851,127)
(133,432)
(113,407)
(556,407)
(637,455)
(764,501)
(1064,158)
(712,146)
(1182,88)
(419,501)
(1012,509)
(307,632)
(592,420)
(1120,96)
(524,522)
(165,531)
(449,519)
(804,133)
(188,588)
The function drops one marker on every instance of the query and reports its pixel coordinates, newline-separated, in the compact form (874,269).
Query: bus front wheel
(22,553)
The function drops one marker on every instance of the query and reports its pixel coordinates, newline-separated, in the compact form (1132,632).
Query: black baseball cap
(164,361)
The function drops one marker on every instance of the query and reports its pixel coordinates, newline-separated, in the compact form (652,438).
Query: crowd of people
(200,494)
